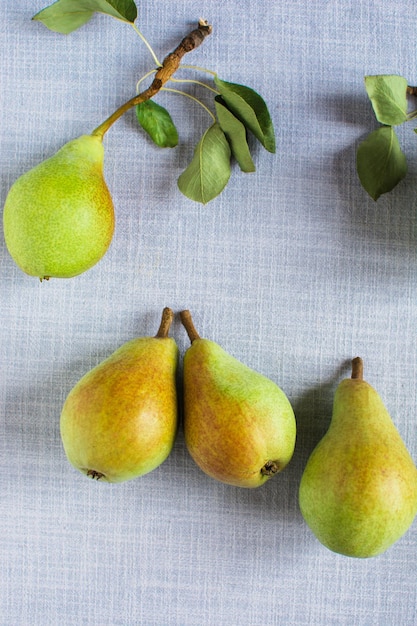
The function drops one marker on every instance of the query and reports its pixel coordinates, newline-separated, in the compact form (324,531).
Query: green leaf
(388,94)
(209,171)
(380,163)
(157,122)
(65,16)
(250,109)
(235,133)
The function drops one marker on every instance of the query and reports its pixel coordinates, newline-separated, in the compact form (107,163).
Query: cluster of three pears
(120,419)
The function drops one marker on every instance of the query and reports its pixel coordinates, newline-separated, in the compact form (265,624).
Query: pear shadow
(313,410)
(32,411)
(277,499)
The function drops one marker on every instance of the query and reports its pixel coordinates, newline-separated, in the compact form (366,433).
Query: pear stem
(166,321)
(357,368)
(162,75)
(187,322)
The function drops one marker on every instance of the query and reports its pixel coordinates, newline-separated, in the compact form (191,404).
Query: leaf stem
(163,74)
(187,95)
(144,78)
(412,115)
(199,69)
(195,82)
(147,44)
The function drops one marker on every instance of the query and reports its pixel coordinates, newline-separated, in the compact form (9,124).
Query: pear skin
(239,426)
(120,419)
(358,492)
(58,217)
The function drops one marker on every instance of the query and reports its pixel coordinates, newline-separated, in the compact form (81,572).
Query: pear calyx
(165,325)
(270,468)
(94,474)
(187,322)
(357,368)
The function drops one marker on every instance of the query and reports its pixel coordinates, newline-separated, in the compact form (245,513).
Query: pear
(120,419)
(358,492)
(59,217)
(239,426)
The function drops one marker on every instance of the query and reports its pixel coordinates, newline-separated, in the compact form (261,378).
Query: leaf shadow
(350,109)
(313,411)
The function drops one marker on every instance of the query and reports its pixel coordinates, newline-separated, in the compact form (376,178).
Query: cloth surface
(293,269)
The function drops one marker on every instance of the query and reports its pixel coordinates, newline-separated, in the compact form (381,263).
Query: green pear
(120,419)
(59,217)
(358,492)
(239,426)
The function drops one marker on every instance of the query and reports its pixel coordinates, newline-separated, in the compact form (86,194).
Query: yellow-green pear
(120,419)
(58,217)
(358,492)
(239,426)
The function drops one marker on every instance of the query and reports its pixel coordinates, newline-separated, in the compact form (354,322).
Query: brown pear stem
(357,368)
(187,322)
(166,321)
(169,66)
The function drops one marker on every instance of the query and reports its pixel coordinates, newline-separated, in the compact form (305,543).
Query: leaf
(236,135)
(380,162)
(388,94)
(65,16)
(209,171)
(157,122)
(250,109)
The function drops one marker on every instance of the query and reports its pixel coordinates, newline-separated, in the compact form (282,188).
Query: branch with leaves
(380,162)
(237,109)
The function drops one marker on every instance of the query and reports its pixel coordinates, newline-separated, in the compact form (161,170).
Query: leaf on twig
(380,162)
(65,16)
(388,95)
(250,108)
(157,122)
(209,171)
(235,133)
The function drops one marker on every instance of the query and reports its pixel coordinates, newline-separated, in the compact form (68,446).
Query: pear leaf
(209,171)
(380,162)
(157,122)
(250,108)
(388,95)
(65,16)
(235,133)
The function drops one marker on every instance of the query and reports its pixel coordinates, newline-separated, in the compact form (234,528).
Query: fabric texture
(293,269)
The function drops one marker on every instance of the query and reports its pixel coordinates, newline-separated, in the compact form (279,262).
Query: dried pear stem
(187,322)
(357,368)
(166,321)
(169,66)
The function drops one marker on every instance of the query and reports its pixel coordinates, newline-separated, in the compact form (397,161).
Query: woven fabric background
(292,269)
